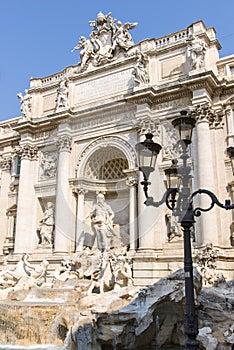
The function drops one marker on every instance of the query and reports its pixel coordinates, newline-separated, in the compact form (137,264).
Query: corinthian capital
(147,125)
(5,163)
(64,143)
(27,152)
(208,114)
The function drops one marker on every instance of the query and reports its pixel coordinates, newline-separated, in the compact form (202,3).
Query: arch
(117,144)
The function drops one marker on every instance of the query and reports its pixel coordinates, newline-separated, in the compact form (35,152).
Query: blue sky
(37,35)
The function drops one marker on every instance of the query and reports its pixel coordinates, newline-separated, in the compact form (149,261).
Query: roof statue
(108,40)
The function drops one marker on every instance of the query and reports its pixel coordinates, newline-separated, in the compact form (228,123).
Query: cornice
(154,95)
(48,123)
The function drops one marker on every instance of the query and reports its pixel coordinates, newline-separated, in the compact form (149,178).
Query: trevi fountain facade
(85,264)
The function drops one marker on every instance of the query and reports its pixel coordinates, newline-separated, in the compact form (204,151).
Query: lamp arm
(168,198)
(214,200)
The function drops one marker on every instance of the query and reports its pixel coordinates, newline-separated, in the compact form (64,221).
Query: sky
(37,36)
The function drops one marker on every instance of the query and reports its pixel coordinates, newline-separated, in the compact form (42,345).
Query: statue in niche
(102,217)
(46,229)
(25,104)
(48,165)
(62,94)
(107,39)
(174,229)
(140,74)
(196,51)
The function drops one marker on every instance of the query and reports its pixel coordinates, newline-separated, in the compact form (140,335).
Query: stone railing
(173,38)
(37,82)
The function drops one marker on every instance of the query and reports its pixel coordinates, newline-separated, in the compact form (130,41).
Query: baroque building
(76,139)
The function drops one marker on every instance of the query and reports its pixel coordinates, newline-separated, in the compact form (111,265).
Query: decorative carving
(205,112)
(26,105)
(27,152)
(6,163)
(64,143)
(196,51)
(170,149)
(108,40)
(148,125)
(132,181)
(141,77)
(48,165)
(62,94)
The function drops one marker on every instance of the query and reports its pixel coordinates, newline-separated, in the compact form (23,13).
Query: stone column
(5,164)
(79,219)
(206,228)
(133,234)
(25,237)
(63,210)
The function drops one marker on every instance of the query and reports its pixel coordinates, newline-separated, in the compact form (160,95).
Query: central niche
(107,163)
(104,172)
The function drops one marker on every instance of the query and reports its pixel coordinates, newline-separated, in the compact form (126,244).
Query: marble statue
(25,274)
(62,94)
(45,231)
(25,105)
(86,50)
(140,74)
(102,217)
(196,51)
(122,37)
(107,39)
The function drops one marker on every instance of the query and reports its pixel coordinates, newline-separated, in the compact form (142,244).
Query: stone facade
(77,135)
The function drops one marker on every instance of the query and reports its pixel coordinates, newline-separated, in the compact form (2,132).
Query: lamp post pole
(180,200)
(186,219)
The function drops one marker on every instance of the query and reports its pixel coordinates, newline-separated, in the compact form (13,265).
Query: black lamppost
(179,199)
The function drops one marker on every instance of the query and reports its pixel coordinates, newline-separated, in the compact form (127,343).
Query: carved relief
(48,165)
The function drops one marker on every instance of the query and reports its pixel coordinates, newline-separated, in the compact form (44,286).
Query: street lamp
(179,199)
